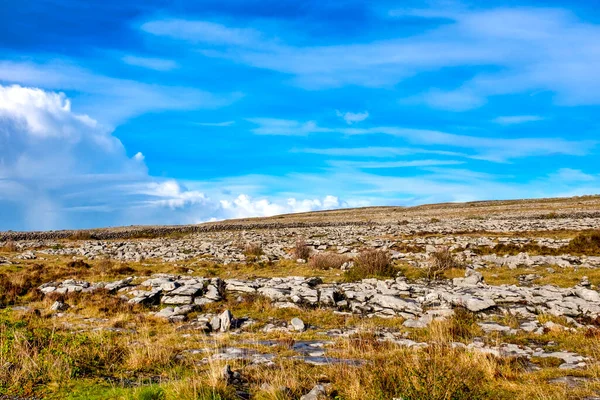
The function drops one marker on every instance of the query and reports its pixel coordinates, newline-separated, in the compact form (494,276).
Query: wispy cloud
(351,117)
(379,152)
(569,175)
(517,119)
(392,164)
(157,64)
(285,127)
(202,32)
(539,57)
(216,124)
(113,99)
(485,148)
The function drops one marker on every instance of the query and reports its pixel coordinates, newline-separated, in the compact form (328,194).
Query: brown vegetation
(327,260)
(9,247)
(253,250)
(78,264)
(301,250)
(440,261)
(373,263)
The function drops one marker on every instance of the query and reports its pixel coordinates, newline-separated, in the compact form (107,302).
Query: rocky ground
(480,300)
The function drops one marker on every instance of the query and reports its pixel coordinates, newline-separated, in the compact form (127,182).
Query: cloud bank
(58,168)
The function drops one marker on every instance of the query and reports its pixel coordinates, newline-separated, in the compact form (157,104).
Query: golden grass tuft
(301,250)
(327,260)
(253,250)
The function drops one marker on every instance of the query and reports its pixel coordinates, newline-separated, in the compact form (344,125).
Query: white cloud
(244,206)
(517,119)
(352,118)
(60,169)
(157,64)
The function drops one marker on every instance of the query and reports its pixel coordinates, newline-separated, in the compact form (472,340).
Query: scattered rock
(59,306)
(225,320)
(298,324)
(317,392)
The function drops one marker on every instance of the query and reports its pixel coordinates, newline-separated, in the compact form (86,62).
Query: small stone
(215,323)
(316,393)
(226,320)
(298,324)
(585,282)
(227,374)
(59,306)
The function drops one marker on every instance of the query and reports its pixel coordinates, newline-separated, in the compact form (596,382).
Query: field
(485,300)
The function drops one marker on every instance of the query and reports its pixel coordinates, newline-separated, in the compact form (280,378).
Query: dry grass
(253,250)
(58,361)
(59,357)
(9,247)
(301,250)
(15,285)
(81,235)
(327,260)
(441,261)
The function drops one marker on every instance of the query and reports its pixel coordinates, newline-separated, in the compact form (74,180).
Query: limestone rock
(298,324)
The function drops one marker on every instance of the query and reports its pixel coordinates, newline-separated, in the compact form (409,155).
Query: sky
(135,112)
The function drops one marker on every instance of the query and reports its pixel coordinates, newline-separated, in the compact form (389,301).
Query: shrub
(253,250)
(552,215)
(81,235)
(78,264)
(441,261)
(372,263)
(301,251)
(327,260)
(586,243)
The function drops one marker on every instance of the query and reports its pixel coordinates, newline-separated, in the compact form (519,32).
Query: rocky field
(487,300)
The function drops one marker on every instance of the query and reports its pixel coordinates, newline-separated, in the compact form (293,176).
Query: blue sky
(144,112)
